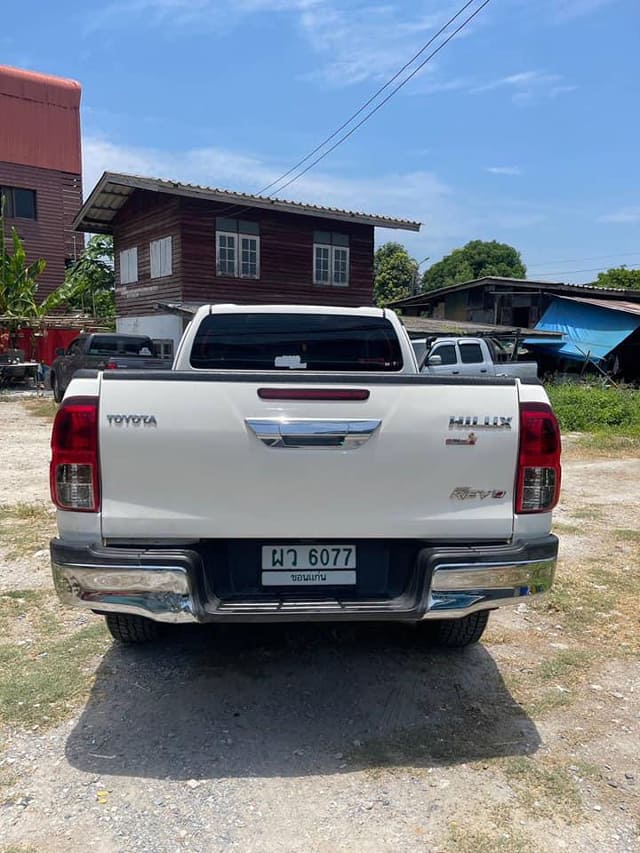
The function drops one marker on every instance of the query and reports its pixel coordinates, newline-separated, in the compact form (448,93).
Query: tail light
(539,472)
(111,365)
(74,474)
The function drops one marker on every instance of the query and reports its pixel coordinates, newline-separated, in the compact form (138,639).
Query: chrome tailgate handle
(332,434)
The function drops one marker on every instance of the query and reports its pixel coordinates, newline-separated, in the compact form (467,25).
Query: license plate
(308,565)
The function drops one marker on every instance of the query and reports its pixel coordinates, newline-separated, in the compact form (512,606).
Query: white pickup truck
(469,357)
(295,465)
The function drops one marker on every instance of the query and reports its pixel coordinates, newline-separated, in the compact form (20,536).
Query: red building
(40,166)
(177,242)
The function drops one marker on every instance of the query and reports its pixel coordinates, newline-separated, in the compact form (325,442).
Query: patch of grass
(542,790)
(29,613)
(41,407)
(7,778)
(564,665)
(25,511)
(627,535)
(547,701)
(589,512)
(463,840)
(609,445)
(585,770)
(25,528)
(563,527)
(579,601)
(566,670)
(18,848)
(588,408)
(39,686)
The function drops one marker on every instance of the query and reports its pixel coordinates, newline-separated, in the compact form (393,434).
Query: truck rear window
(112,345)
(321,342)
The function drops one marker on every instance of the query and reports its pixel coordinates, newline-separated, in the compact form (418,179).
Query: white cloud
(450,217)
(210,14)
(624,216)
(366,43)
(355,40)
(563,11)
(526,86)
(504,170)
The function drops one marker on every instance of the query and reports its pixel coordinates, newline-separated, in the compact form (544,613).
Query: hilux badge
(477,422)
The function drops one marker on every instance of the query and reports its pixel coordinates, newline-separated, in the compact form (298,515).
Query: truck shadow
(294,700)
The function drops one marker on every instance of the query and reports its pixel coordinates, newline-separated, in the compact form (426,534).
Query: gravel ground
(324,738)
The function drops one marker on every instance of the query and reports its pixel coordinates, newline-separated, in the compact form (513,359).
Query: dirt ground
(324,738)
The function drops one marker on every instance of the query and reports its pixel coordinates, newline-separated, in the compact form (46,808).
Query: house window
(160,252)
(129,265)
(237,248)
(18,203)
(330,258)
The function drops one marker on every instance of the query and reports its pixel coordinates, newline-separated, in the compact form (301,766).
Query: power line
(362,108)
(592,269)
(369,101)
(362,121)
(580,260)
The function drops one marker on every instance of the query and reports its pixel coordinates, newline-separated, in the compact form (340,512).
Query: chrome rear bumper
(169,586)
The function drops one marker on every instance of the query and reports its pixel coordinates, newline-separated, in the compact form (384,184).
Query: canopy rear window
(112,345)
(320,342)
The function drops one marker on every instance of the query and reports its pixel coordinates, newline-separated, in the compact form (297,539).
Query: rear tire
(128,629)
(58,393)
(458,633)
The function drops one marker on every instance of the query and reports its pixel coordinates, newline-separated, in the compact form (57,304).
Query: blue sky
(524,129)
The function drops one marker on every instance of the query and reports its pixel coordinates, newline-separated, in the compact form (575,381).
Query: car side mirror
(59,351)
(434,360)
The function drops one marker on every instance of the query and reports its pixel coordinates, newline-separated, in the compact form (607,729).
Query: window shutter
(160,257)
(129,265)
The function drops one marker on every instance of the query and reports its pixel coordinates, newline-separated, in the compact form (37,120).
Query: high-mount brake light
(313,394)
(539,471)
(74,472)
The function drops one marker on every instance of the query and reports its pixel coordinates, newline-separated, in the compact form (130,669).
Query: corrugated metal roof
(607,304)
(40,123)
(429,326)
(428,296)
(113,189)
(415,325)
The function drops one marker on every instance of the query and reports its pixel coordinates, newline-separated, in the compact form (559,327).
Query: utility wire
(580,260)
(592,269)
(368,102)
(362,121)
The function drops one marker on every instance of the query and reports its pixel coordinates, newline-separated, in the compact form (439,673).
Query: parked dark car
(102,352)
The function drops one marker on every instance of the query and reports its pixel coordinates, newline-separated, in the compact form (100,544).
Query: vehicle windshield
(320,342)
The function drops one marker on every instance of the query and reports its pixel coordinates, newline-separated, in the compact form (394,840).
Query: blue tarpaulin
(590,331)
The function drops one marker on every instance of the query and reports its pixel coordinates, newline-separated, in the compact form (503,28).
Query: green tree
(19,302)
(477,259)
(90,281)
(395,274)
(18,281)
(619,277)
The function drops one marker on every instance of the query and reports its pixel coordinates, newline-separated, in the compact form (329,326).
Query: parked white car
(468,357)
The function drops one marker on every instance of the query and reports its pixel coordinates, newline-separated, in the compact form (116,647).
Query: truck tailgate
(189,456)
